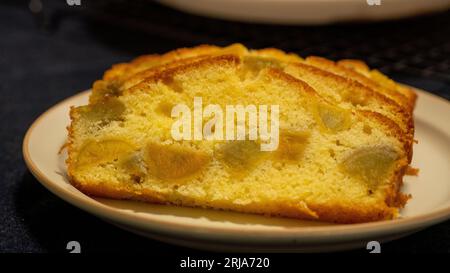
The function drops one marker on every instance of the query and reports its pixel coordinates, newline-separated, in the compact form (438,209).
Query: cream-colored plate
(309,12)
(219,230)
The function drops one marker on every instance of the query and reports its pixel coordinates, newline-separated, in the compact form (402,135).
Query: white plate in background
(307,11)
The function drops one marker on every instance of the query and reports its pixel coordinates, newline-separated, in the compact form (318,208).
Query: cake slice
(332,163)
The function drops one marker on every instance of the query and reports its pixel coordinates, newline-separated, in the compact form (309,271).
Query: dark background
(50,55)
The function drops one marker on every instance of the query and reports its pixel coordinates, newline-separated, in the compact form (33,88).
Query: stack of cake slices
(344,135)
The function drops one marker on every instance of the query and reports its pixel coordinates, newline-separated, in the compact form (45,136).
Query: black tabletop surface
(53,54)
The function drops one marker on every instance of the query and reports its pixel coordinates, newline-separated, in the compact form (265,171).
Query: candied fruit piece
(165,108)
(104,111)
(255,63)
(371,163)
(240,156)
(105,89)
(169,162)
(99,152)
(134,165)
(355,98)
(292,144)
(235,49)
(332,119)
(173,84)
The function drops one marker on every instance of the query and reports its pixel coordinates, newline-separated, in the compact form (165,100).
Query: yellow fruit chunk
(105,151)
(370,163)
(172,83)
(165,108)
(236,49)
(332,119)
(382,79)
(253,65)
(240,156)
(170,162)
(105,89)
(103,112)
(134,166)
(292,145)
(257,63)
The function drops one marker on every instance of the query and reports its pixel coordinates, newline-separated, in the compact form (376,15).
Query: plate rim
(339,232)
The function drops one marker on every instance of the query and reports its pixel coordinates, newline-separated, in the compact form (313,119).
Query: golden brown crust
(363,68)
(221,60)
(343,71)
(394,197)
(277,54)
(70,161)
(353,85)
(412,171)
(180,53)
(330,212)
(117,85)
(137,78)
(354,64)
(297,83)
(124,75)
